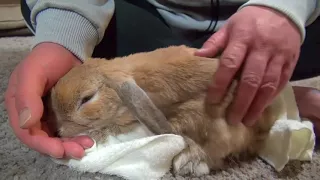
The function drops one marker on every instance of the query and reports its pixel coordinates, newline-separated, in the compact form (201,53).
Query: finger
(40,141)
(73,150)
(214,44)
(267,91)
(47,145)
(287,71)
(230,62)
(251,78)
(84,141)
(30,85)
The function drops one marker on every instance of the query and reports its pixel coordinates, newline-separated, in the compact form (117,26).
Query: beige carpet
(20,163)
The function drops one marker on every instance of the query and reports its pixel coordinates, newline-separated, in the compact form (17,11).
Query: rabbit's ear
(142,107)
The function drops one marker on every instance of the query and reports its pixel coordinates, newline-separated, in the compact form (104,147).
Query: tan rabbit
(164,90)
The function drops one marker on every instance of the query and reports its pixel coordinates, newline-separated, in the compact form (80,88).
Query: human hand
(266,45)
(28,83)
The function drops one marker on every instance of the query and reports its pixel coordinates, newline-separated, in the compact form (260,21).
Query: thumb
(31,82)
(38,73)
(214,44)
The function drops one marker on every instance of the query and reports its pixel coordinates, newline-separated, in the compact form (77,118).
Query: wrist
(280,16)
(52,61)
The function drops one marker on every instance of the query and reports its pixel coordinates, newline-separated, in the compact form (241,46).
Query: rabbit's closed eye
(87,98)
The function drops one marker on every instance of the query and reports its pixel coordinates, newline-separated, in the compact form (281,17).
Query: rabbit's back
(172,75)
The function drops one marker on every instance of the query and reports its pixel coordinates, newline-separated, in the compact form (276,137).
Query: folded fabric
(289,140)
(142,156)
(290,137)
(133,156)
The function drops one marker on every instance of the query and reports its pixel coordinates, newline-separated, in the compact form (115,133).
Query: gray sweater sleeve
(71,25)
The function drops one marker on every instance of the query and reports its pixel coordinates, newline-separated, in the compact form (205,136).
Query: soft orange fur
(176,81)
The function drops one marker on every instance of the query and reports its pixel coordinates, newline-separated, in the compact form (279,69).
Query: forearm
(77,25)
(301,12)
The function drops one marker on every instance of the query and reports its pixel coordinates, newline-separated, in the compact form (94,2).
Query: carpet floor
(18,162)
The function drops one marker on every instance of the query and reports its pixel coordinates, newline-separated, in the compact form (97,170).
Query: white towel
(140,155)
(289,140)
(133,156)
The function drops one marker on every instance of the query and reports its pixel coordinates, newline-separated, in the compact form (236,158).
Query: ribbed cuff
(298,11)
(68,29)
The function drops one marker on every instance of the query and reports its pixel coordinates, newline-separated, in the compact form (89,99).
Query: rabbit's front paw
(191,162)
(183,165)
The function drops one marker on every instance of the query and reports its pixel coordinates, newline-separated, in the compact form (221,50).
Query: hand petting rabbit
(165,91)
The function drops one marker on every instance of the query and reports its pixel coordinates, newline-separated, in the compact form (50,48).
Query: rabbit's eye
(86,99)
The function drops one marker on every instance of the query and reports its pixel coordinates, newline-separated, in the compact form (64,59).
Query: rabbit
(165,91)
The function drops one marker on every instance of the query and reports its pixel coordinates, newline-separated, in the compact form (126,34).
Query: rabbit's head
(101,94)
(82,101)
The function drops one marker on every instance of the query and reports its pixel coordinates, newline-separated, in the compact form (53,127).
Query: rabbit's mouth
(71,130)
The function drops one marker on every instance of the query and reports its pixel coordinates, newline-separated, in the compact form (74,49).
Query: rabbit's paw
(183,166)
(191,162)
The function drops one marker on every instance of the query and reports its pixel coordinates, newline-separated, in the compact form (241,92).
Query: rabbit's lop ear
(137,100)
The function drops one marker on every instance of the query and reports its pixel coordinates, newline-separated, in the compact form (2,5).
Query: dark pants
(138,27)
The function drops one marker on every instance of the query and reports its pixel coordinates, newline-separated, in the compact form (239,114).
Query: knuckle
(243,33)
(229,62)
(213,42)
(231,58)
(272,85)
(252,79)
(210,42)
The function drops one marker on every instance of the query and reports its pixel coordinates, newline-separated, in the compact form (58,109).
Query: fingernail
(74,157)
(24,117)
(201,49)
(86,147)
(56,157)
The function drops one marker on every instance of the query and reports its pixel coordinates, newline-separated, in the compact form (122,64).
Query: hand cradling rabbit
(165,91)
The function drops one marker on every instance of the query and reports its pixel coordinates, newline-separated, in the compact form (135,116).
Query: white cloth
(289,140)
(133,156)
